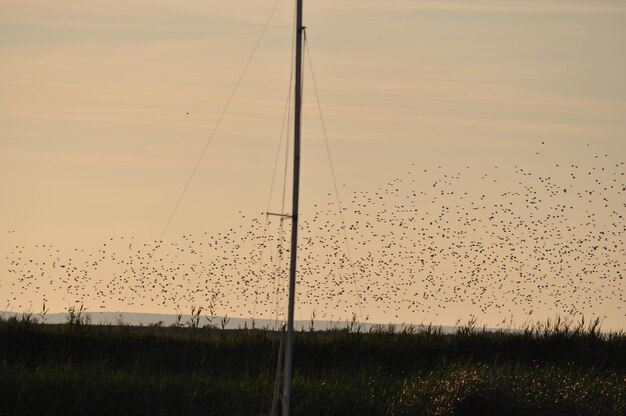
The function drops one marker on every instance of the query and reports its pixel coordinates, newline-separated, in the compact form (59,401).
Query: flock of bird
(491,242)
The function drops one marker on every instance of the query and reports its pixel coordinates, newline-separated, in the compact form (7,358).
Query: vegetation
(77,368)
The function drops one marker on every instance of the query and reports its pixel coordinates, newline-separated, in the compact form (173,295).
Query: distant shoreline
(148,319)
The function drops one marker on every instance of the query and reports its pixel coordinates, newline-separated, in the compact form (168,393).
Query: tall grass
(546,368)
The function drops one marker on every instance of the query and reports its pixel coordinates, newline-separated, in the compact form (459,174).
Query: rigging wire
(285,120)
(279,360)
(219,119)
(280,277)
(334,177)
(280,274)
(286,300)
(146,268)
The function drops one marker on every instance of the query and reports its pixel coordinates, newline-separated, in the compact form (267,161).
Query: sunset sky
(106,106)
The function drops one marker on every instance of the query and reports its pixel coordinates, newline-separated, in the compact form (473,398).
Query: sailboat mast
(294,211)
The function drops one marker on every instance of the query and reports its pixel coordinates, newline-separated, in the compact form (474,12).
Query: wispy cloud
(46,22)
(511,6)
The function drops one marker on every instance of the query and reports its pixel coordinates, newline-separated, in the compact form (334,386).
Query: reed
(559,367)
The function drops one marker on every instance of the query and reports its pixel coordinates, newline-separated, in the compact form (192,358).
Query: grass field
(79,369)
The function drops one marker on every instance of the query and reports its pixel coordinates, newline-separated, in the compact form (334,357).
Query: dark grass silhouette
(551,368)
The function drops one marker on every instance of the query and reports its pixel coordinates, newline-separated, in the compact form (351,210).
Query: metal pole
(279,371)
(294,212)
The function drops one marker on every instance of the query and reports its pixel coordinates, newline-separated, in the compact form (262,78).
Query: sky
(106,107)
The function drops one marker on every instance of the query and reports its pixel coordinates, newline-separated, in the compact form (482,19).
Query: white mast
(294,212)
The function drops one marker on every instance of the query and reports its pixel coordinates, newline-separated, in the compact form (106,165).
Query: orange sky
(96,141)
